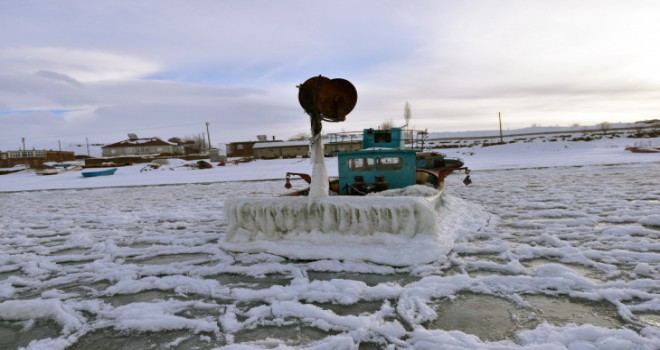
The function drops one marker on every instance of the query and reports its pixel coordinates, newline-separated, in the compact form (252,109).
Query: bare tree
(386,125)
(605,127)
(407,113)
(193,144)
(301,136)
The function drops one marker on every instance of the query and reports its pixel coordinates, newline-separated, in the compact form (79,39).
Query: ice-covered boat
(385,162)
(378,189)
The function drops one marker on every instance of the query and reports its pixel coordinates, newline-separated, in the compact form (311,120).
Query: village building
(294,149)
(134,146)
(245,149)
(265,149)
(33,158)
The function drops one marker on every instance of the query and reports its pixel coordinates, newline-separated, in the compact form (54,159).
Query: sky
(78,71)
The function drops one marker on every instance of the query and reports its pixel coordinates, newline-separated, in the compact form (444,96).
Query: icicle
(274,219)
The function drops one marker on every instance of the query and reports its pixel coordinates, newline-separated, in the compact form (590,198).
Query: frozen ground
(564,257)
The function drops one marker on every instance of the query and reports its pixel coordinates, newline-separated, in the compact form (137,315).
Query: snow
(554,246)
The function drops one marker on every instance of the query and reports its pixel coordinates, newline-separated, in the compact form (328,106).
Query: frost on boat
(387,191)
(356,215)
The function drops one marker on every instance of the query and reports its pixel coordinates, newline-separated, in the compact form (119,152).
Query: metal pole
(24,153)
(87,141)
(501,138)
(208,134)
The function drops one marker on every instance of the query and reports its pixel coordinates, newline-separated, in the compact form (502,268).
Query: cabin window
(361,164)
(383,136)
(389,163)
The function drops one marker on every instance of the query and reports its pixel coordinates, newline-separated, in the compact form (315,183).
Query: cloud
(106,68)
(58,77)
(78,64)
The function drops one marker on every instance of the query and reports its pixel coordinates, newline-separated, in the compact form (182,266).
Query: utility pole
(501,138)
(59,154)
(24,152)
(87,141)
(208,135)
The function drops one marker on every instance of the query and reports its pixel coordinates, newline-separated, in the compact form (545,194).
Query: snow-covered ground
(556,245)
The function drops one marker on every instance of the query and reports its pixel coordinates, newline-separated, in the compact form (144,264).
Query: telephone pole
(24,152)
(208,135)
(501,138)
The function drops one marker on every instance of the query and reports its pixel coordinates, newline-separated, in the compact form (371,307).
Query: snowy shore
(510,156)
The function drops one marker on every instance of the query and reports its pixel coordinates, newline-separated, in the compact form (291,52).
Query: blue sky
(101,69)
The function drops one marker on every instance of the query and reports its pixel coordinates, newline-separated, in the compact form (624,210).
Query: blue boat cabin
(382,164)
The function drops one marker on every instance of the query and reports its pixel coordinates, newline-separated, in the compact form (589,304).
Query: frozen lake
(570,259)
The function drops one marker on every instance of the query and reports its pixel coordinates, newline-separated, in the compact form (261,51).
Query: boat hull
(99,172)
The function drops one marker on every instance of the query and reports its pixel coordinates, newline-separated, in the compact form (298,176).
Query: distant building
(33,157)
(264,149)
(293,149)
(245,148)
(134,146)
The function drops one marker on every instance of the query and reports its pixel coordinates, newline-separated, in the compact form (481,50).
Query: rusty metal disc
(308,93)
(331,99)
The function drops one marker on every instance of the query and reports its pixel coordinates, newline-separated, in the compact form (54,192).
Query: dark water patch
(649,318)
(242,281)
(293,333)
(141,245)
(589,273)
(75,262)
(170,259)
(363,307)
(54,242)
(141,297)
(111,339)
(561,311)
(488,317)
(650,227)
(7,274)
(83,287)
(14,335)
(370,279)
(370,346)
(199,312)
(69,251)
